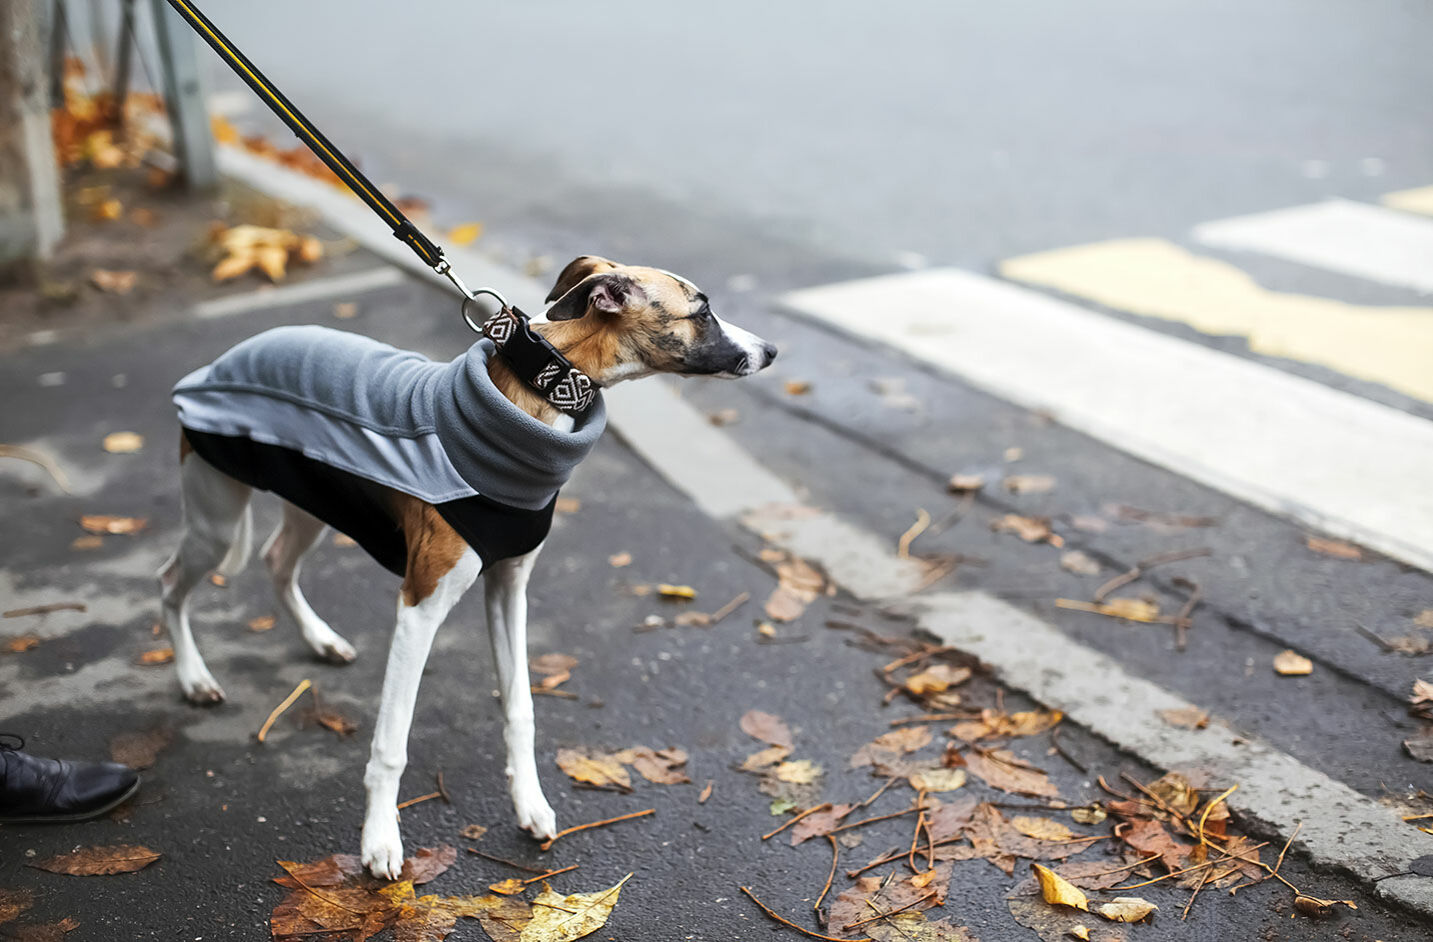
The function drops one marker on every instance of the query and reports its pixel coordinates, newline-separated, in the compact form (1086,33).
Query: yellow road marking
(1419,200)
(1155,278)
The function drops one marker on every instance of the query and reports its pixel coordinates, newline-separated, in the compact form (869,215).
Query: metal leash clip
(445,268)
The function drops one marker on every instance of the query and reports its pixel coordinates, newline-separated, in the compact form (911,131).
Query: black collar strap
(538,363)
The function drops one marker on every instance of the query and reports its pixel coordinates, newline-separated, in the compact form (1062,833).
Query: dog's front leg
(418,619)
(506,587)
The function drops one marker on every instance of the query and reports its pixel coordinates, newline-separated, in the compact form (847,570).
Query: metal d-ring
(473,296)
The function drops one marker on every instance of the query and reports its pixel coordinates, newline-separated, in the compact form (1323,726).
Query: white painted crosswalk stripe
(1357,239)
(1344,464)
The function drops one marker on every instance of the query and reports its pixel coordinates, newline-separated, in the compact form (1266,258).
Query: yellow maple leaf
(1056,890)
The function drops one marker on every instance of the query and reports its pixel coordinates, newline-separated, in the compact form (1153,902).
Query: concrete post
(31,211)
(184,98)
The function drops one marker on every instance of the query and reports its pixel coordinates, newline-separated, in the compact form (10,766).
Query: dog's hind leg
(506,587)
(214,508)
(440,569)
(299,532)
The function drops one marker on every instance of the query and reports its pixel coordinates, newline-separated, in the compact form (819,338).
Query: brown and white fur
(612,321)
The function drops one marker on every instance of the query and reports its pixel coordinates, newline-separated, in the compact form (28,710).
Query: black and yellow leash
(403,228)
(532,358)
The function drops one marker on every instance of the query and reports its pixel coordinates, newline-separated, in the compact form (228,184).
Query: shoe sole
(80,816)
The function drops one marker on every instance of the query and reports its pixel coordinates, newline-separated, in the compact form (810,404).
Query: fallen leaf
(336,722)
(552,663)
(995,723)
(44,932)
(1408,645)
(1421,699)
(799,772)
(557,918)
(15,902)
(780,806)
(473,832)
(819,823)
(107,210)
(1126,909)
(139,750)
(1424,619)
(724,417)
(936,679)
(1056,890)
(1186,717)
(1313,906)
(766,727)
(999,768)
(618,560)
(965,483)
(897,742)
(1080,932)
(1013,453)
(1029,529)
(659,766)
(1090,814)
(1335,548)
(596,769)
(676,591)
(114,282)
(1029,483)
(262,623)
(784,605)
(1420,747)
(103,523)
(1080,563)
(1149,837)
(706,792)
(938,780)
(99,861)
(797,387)
(86,542)
(1043,829)
(20,644)
(219,579)
(508,887)
(345,310)
(157,656)
(466,234)
(1130,609)
(1175,791)
(1292,664)
(765,758)
(873,895)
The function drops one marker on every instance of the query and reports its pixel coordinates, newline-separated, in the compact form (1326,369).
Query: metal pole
(184,98)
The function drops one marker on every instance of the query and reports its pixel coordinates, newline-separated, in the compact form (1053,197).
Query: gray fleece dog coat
(327,419)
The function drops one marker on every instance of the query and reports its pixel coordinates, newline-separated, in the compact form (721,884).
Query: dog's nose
(769,351)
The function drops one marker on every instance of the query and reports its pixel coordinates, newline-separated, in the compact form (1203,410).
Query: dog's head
(634,321)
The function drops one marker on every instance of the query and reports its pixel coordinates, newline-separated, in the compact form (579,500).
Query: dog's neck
(587,346)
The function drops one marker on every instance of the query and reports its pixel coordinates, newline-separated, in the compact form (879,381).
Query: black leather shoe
(34,790)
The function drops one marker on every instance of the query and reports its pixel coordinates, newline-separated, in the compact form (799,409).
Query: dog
(386,446)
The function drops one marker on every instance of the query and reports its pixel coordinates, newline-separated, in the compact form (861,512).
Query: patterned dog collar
(538,363)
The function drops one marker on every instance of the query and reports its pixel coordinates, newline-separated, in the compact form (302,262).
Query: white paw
(337,651)
(383,848)
(201,689)
(535,815)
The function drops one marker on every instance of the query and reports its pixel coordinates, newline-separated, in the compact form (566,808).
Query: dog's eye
(704,312)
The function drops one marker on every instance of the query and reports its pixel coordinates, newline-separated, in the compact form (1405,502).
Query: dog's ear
(607,292)
(576,270)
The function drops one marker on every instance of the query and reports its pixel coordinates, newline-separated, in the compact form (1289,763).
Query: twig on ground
(880,791)
(326,899)
(549,873)
(879,817)
(45,609)
(1182,621)
(916,835)
(903,545)
(421,798)
(938,717)
(729,607)
(443,789)
(515,866)
(793,820)
(279,710)
(788,923)
(595,824)
(1203,879)
(835,856)
(1055,742)
(880,915)
(1280,862)
(1144,566)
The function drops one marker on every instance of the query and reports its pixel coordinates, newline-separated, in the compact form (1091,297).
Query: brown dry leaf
(1029,483)
(473,832)
(44,932)
(15,902)
(1050,923)
(104,523)
(336,722)
(1056,890)
(784,605)
(999,768)
(1186,717)
(262,623)
(139,750)
(706,792)
(1149,837)
(1313,906)
(684,592)
(1089,814)
(618,560)
(20,644)
(1042,829)
(1130,609)
(766,727)
(936,679)
(596,769)
(1421,699)
(1080,932)
(1175,791)
(1409,645)
(345,310)
(1424,619)
(820,823)
(660,766)
(465,234)
(1029,529)
(86,542)
(219,579)
(156,656)
(508,887)
(937,780)
(1338,549)
(1080,563)
(309,250)
(871,896)
(765,758)
(890,745)
(1292,664)
(798,772)
(724,417)
(114,282)
(558,918)
(99,861)
(1126,909)
(1420,747)
(995,723)
(965,483)
(797,387)
(553,663)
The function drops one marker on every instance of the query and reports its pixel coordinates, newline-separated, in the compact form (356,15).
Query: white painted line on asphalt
(315,290)
(1339,235)
(1341,828)
(1335,461)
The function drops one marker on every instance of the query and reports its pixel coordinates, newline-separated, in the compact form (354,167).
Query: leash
(535,360)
